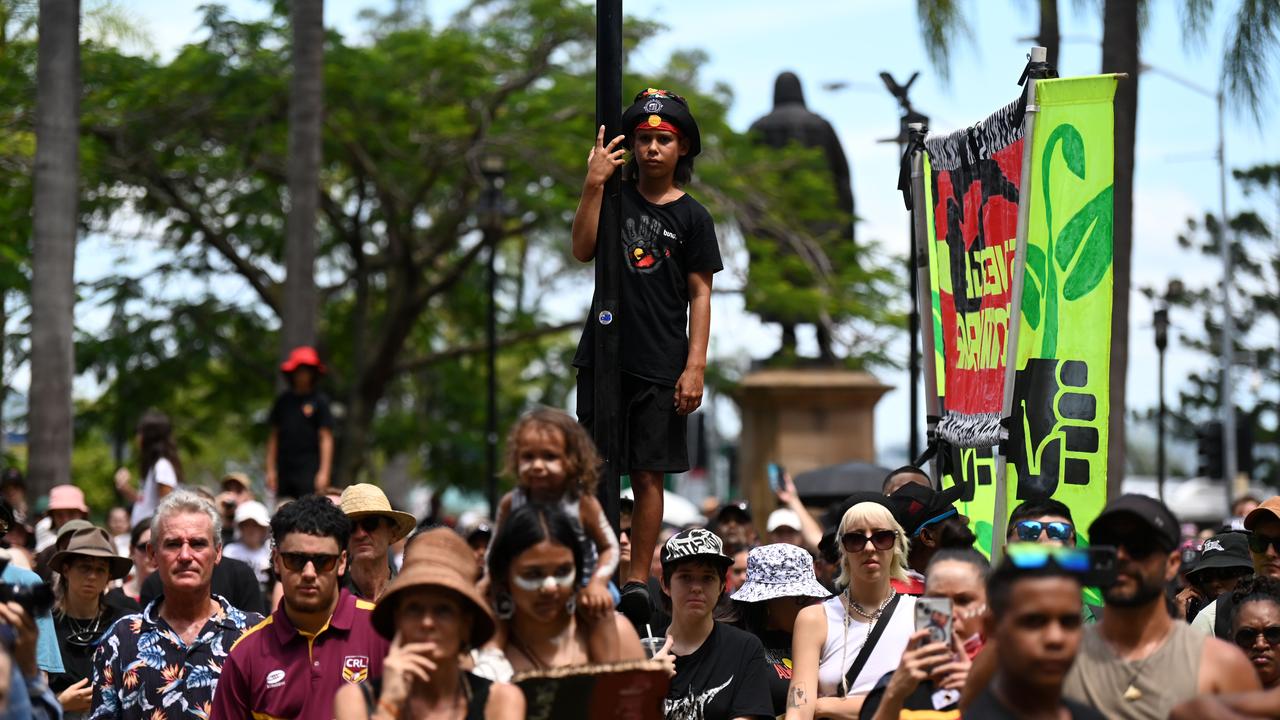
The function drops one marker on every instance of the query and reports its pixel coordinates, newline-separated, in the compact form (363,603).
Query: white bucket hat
(777,571)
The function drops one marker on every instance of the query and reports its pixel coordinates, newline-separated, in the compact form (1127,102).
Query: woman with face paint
(535,566)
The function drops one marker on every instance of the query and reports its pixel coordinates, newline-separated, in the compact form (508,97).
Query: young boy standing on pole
(670,252)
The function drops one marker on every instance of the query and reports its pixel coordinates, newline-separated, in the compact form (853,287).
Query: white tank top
(837,658)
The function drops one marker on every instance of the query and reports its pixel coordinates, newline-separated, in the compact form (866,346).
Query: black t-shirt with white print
(724,678)
(662,245)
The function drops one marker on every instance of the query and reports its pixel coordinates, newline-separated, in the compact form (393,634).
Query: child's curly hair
(583,462)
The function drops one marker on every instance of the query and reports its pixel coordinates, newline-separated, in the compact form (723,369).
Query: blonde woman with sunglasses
(832,674)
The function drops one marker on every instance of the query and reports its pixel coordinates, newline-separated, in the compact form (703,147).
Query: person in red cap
(670,252)
(300,447)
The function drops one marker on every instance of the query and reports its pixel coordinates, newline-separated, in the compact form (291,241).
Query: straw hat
(364,499)
(92,542)
(437,558)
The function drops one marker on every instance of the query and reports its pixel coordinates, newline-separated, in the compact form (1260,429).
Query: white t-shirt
(162,473)
(259,560)
(885,657)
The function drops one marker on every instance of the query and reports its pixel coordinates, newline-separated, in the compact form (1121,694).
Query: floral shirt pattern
(143,670)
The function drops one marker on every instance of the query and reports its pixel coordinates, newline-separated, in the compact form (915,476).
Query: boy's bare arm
(601,163)
(689,387)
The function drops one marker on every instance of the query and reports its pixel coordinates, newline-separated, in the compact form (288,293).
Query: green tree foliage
(1196,323)
(194,151)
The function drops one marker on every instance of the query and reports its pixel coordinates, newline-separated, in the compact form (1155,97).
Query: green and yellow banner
(1061,388)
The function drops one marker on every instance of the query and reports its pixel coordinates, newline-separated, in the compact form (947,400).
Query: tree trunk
(1120,53)
(55,217)
(306,108)
(1050,35)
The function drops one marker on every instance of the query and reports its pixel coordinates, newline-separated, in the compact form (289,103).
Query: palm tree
(55,218)
(306,107)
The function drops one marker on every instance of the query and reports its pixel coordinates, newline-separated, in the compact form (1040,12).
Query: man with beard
(932,523)
(318,640)
(1138,662)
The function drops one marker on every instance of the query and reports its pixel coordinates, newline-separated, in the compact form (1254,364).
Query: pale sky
(750,41)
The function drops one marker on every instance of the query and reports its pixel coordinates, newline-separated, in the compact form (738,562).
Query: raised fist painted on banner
(1057,441)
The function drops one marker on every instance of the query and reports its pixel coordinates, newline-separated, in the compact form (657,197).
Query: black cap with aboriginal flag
(661,110)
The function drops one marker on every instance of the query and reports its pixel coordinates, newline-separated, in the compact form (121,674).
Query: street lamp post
(493,167)
(910,116)
(1161,321)
(1228,411)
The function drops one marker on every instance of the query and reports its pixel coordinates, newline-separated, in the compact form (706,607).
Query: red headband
(649,124)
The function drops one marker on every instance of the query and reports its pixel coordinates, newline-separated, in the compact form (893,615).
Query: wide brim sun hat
(777,571)
(362,499)
(95,543)
(437,558)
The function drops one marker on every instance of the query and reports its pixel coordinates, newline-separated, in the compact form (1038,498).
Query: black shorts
(654,436)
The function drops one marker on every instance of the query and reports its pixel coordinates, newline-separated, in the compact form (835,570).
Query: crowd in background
(324,602)
(337,604)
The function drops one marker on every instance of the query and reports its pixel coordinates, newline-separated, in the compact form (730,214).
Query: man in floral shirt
(164,663)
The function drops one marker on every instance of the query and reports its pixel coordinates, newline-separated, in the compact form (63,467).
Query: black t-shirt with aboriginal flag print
(662,245)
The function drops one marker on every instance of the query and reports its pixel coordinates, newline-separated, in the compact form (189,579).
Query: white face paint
(550,583)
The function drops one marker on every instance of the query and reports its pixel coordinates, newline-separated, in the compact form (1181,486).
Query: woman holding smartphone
(842,647)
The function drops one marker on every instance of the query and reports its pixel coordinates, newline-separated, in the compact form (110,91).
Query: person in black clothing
(1036,622)
(720,670)
(84,610)
(780,583)
(670,253)
(300,446)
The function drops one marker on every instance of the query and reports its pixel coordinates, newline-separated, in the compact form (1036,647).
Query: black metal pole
(913,322)
(605,313)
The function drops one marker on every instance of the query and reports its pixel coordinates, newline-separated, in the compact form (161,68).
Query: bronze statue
(792,122)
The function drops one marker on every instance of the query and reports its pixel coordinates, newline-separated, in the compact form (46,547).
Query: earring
(572,605)
(503,606)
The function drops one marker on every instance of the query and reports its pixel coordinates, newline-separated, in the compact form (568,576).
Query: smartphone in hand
(934,614)
(776,472)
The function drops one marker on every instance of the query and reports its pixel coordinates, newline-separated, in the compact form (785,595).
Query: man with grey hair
(165,661)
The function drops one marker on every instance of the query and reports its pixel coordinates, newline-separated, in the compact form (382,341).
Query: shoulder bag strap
(865,653)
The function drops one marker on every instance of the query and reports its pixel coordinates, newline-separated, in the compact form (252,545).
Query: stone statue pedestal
(802,418)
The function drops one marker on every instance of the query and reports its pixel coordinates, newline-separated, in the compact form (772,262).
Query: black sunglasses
(1258,543)
(297,562)
(1246,637)
(1138,547)
(369,523)
(880,540)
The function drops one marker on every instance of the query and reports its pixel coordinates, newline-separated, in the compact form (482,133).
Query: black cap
(1225,550)
(665,105)
(1146,510)
(739,508)
(695,543)
(914,506)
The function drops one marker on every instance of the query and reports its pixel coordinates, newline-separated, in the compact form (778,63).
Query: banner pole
(924,295)
(605,368)
(1000,520)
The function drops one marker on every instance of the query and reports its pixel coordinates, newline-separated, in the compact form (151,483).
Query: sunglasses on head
(369,523)
(1029,530)
(1246,637)
(1259,544)
(297,562)
(880,539)
(1033,556)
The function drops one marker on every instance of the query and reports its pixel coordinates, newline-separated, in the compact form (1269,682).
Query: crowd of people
(339,605)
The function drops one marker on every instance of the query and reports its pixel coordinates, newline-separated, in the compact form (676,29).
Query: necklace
(873,619)
(82,633)
(1131,692)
